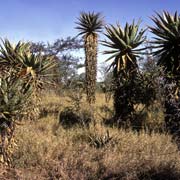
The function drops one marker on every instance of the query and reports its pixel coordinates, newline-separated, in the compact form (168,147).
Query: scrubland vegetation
(46,150)
(57,124)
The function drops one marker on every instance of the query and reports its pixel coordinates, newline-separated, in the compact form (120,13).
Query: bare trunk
(6,144)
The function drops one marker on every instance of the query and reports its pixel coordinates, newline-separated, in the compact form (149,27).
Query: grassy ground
(48,151)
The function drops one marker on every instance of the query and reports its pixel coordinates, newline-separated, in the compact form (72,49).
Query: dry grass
(47,151)
(52,104)
(67,154)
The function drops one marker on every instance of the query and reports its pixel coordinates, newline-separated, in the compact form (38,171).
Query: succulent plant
(89,24)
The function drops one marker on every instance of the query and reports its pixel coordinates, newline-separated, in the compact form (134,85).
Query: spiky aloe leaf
(123,44)
(89,23)
(32,67)
(12,98)
(167,41)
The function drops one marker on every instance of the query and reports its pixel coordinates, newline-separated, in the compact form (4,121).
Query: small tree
(106,85)
(67,63)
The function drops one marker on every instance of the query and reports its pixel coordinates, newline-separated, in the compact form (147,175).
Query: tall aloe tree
(167,50)
(13,103)
(22,74)
(89,25)
(124,52)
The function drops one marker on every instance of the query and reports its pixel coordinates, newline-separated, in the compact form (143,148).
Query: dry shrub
(150,118)
(69,118)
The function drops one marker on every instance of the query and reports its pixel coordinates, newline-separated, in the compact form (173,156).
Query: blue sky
(47,20)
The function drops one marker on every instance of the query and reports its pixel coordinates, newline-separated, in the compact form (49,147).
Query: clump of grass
(100,141)
(69,117)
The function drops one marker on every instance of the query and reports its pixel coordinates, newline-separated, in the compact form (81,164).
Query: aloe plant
(166,48)
(33,68)
(89,25)
(22,75)
(167,42)
(124,51)
(13,102)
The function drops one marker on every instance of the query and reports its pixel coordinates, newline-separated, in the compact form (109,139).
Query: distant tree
(106,85)
(57,47)
(38,47)
(62,50)
(77,81)
(151,81)
(89,24)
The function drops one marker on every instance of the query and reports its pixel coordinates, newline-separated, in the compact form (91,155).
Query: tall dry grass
(48,151)
(67,154)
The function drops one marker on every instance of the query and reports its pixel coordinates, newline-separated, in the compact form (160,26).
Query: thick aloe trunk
(6,143)
(122,102)
(91,66)
(123,86)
